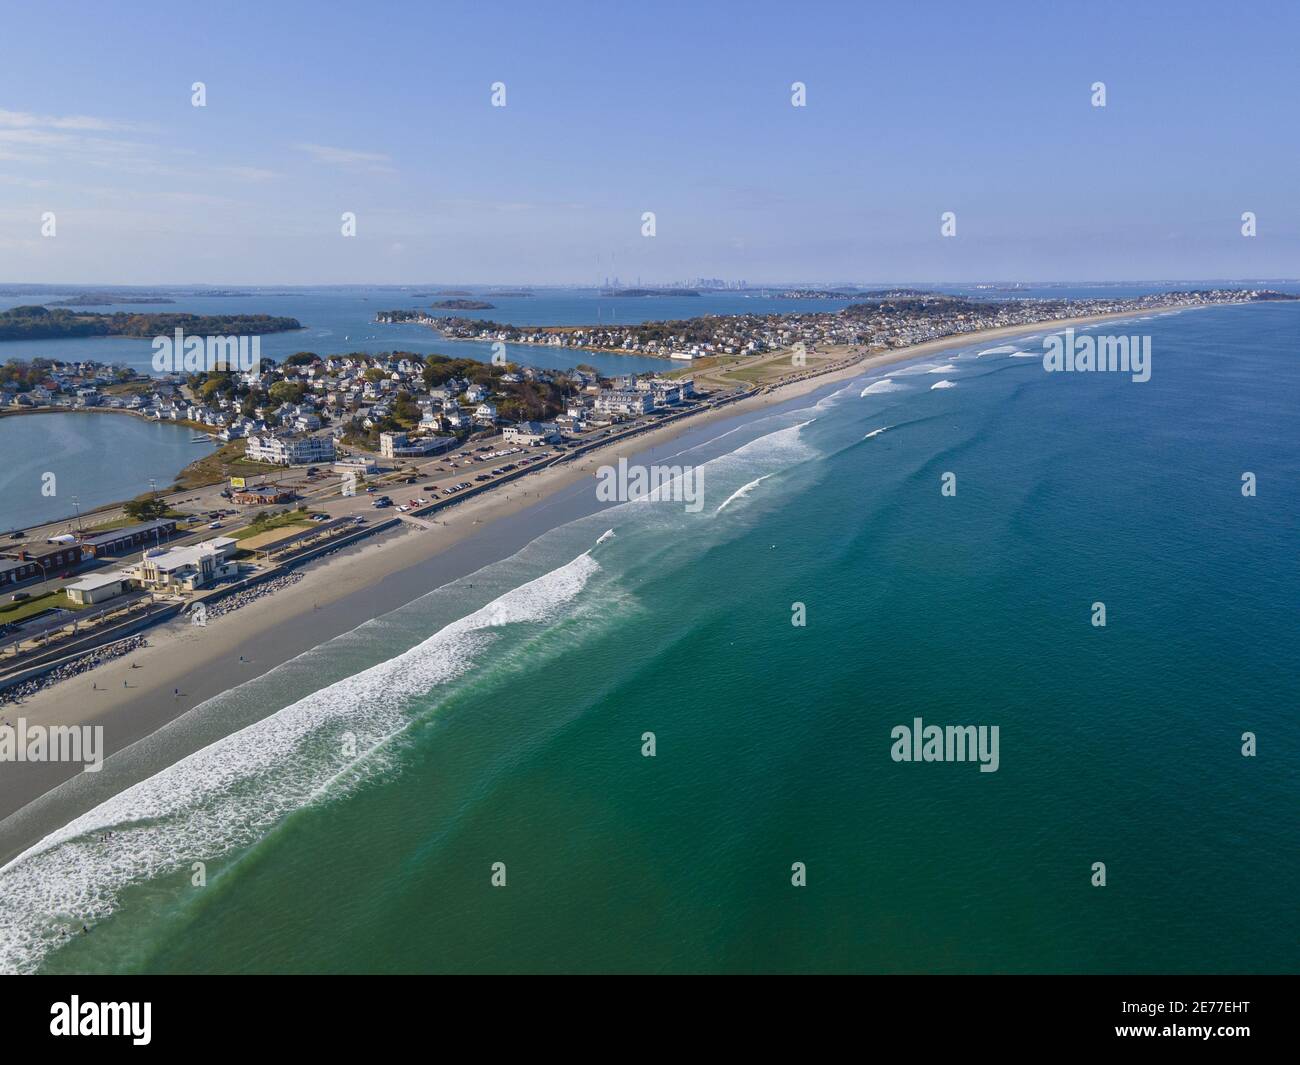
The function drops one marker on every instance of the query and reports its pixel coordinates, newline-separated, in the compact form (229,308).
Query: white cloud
(85,123)
(347,158)
(247,173)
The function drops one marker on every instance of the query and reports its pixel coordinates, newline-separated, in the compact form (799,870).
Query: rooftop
(162,524)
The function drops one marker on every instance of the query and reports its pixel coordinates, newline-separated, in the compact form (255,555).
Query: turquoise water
(500,718)
(96,458)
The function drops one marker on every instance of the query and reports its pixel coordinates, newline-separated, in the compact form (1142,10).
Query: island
(462,305)
(41,323)
(102,299)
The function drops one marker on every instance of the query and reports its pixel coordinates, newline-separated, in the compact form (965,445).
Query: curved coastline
(361,583)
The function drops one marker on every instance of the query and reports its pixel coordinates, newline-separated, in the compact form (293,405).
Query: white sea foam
(1001,349)
(827,401)
(741,492)
(885,384)
(877,432)
(945,368)
(1026,355)
(942,384)
(608,534)
(780,441)
(231,793)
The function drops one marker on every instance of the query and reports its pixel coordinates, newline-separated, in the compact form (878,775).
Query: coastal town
(317,452)
(314,455)
(887,321)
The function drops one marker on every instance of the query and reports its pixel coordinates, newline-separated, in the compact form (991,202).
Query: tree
(286,391)
(144,509)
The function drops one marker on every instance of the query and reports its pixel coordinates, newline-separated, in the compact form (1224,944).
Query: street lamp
(45,576)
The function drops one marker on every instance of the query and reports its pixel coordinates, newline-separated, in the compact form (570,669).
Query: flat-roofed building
(13,570)
(98,587)
(355,465)
(24,564)
(613,401)
(183,569)
(128,538)
(261,495)
(290,450)
(529,433)
(400,445)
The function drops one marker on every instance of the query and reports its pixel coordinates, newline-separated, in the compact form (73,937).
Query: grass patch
(128,388)
(11,612)
(276,521)
(124,521)
(227,461)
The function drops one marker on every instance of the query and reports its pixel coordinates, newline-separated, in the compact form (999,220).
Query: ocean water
(500,719)
(94,458)
(340,319)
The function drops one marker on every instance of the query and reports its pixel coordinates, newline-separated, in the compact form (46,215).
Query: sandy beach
(133,696)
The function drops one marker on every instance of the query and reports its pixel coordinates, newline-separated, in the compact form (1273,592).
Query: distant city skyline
(609,114)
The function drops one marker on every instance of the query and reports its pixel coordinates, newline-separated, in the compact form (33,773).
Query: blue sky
(383,109)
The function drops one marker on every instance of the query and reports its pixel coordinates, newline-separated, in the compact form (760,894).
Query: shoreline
(134,695)
(194,427)
(560,330)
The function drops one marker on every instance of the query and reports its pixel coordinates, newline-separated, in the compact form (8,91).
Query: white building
(531,433)
(630,404)
(290,450)
(399,445)
(98,587)
(183,569)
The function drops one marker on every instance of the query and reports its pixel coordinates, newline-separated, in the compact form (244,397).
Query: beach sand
(135,695)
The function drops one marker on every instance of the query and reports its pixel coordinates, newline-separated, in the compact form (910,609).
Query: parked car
(18,597)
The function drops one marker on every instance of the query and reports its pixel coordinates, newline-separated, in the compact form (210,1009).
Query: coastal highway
(323,493)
